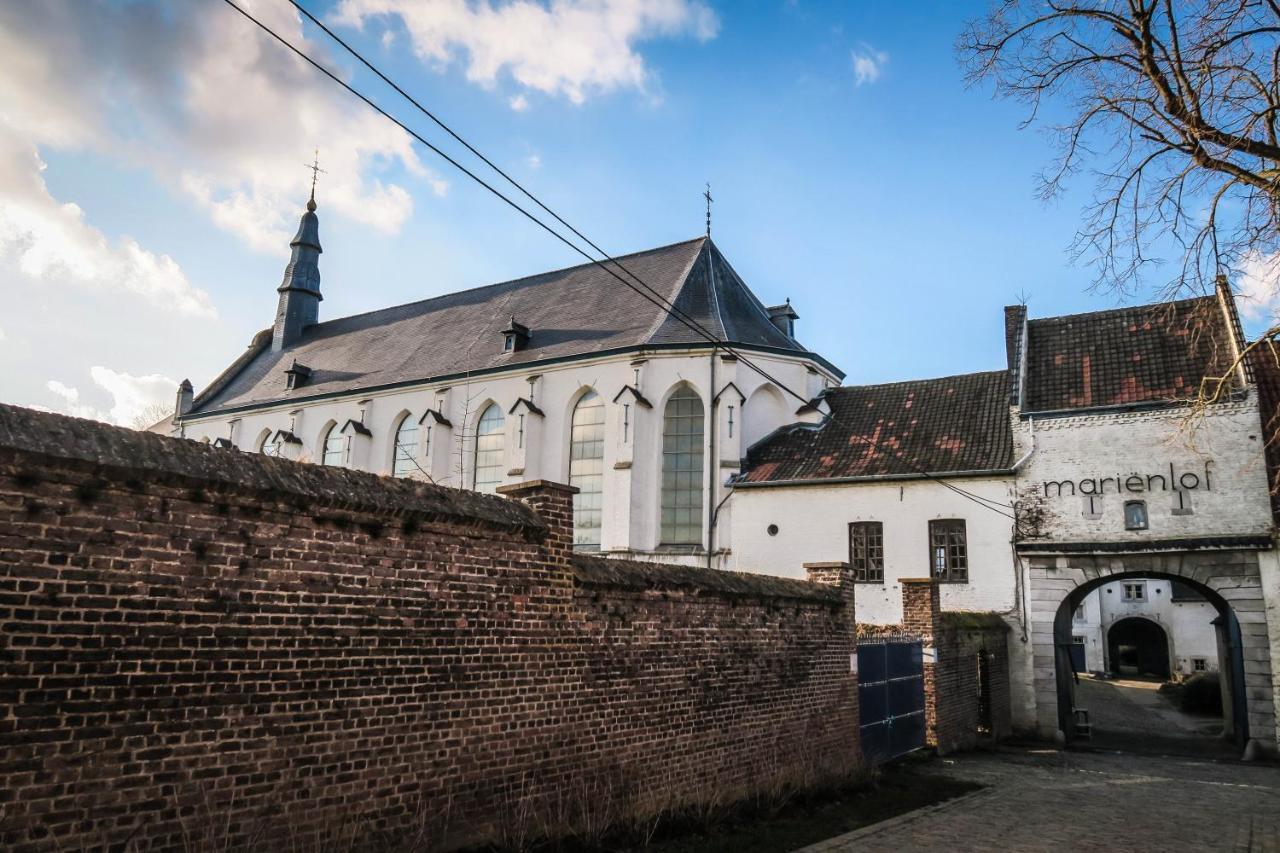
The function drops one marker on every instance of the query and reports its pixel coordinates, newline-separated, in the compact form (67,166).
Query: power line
(652,295)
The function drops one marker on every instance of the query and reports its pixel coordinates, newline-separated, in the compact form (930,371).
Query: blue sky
(894,207)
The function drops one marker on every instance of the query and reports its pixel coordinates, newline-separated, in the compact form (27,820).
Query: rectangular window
(949,550)
(1135,515)
(1199,665)
(1135,592)
(1079,614)
(866,551)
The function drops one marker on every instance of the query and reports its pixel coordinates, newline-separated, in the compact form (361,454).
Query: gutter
(880,478)
(520,367)
(1023,461)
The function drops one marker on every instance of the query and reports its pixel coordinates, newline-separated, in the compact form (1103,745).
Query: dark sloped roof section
(937,426)
(572,312)
(1264,360)
(1128,356)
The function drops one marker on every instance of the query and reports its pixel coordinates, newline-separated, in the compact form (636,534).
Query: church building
(567,375)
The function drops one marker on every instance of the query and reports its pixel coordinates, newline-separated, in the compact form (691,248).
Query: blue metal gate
(890,698)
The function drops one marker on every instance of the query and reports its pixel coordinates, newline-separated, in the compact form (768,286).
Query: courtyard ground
(1048,800)
(1133,714)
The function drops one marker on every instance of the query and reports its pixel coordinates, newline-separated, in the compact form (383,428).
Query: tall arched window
(682,431)
(405,463)
(268,447)
(488,462)
(586,468)
(334,447)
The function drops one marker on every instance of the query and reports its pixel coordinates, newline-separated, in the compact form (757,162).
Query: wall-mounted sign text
(1174,479)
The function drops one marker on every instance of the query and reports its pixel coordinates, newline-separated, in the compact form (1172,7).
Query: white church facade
(567,376)
(1021,491)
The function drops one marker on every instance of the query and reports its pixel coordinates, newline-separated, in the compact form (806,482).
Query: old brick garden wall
(202,648)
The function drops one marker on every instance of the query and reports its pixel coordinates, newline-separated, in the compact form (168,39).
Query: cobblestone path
(1044,800)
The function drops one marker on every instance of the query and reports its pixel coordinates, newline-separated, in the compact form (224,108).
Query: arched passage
(1138,646)
(1241,719)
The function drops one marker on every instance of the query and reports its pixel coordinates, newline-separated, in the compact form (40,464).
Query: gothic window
(334,448)
(948,550)
(404,463)
(866,551)
(268,447)
(682,431)
(488,458)
(586,468)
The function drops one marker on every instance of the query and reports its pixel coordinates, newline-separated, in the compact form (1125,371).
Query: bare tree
(1171,106)
(150,415)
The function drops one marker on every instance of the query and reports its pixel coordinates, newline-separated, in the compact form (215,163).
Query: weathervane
(316,171)
(707,195)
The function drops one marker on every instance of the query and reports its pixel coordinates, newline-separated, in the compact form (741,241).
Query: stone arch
(1230,580)
(764,411)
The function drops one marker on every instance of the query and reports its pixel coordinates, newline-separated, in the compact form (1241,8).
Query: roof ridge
(508,281)
(1122,309)
(926,379)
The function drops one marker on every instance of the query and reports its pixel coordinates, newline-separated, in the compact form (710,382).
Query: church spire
(300,297)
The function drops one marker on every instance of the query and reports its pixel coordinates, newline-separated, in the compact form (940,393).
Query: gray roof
(575,312)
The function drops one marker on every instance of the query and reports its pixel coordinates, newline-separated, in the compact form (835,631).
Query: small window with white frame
(1135,591)
(1135,515)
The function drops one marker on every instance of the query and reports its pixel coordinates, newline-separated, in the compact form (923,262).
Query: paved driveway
(1044,800)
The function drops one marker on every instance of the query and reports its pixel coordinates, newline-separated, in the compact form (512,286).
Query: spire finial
(707,195)
(316,171)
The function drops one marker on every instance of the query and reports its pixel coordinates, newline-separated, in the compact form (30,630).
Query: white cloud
(519,103)
(868,64)
(573,48)
(533,161)
(131,396)
(50,242)
(206,101)
(1257,287)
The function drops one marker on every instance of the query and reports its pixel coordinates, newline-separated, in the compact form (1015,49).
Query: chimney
(300,297)
(784,317)
(1015,344)
(186,394)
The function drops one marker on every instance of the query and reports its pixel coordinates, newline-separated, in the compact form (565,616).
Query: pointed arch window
(682,463)
(405,463)
(334,447)
(488,452)
(268,446)
(586,468)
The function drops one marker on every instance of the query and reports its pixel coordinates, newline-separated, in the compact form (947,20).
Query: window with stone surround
(487,474)
(866,551)
(949,550)
(682,462)
(405,463)
(334,447)
(586,469)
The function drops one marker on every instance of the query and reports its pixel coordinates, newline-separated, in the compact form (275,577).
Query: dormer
(784,317)
(515,337)
(296,376)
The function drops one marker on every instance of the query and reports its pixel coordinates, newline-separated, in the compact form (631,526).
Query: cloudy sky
(151,173)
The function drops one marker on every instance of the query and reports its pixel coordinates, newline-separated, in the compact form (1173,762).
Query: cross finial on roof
(707,195)
(316,171)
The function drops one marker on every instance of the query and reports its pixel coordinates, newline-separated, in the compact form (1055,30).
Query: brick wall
(199,646)
(954,643)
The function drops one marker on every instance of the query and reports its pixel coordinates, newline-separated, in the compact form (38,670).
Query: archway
(1138,646)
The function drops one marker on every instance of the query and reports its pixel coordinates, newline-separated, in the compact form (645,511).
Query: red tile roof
(938,426)
(1265,363)
(1143,354)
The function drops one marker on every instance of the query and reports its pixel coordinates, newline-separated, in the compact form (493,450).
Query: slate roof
(939,426)
(1144,354)
(577,311)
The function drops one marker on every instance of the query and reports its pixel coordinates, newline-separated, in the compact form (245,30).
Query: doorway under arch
(1138,646)
(1141,647)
